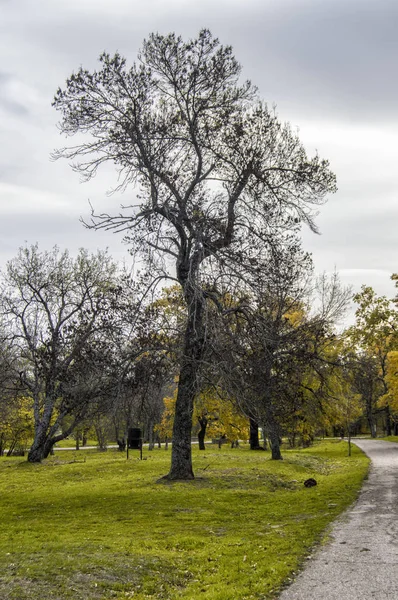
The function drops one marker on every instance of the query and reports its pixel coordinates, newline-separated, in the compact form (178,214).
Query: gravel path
(361,560)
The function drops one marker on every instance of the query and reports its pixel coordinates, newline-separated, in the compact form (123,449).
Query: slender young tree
(213,168)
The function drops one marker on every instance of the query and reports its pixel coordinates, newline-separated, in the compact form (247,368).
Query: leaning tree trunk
(41,446)
(194,342)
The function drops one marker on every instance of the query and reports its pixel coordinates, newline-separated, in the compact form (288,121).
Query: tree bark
(272,428)
(194,343)
(254,440)
(181,455)
(202,432)
(274,442)
(40,449)
(37,451)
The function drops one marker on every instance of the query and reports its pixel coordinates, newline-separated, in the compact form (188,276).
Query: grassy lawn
(71,443)
(88,525)
(389,438)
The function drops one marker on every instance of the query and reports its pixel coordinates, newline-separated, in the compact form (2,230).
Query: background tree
(10,389)
(57,309)
(366,381)
(146,368)
(214,169)
(165,427)
(16,424)
(278,360)
(390,398)
(375,334)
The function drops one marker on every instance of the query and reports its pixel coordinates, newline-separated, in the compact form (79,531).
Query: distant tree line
(83,352)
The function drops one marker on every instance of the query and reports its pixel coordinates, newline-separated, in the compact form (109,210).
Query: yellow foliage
(16,422)
(165,427)
(391,378)
(223,417)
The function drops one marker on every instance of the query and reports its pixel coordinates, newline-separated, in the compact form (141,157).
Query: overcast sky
(330,66)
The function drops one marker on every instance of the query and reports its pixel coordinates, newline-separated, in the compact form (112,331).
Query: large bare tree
(214,172)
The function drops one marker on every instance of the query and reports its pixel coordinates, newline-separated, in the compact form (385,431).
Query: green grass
(105,528)
(389,438)
(71,443)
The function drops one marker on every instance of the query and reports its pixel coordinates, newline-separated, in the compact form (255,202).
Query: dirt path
(361,560)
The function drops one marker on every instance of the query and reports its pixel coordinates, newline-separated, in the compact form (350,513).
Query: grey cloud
(316,56)
(64,230)
(10,105)
(326,57)
(318,60)
(13,107)
(356,241)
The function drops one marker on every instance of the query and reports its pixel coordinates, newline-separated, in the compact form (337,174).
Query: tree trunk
(274,442)
(202,432)
(84,438)
(349,438)
(49,447)
(272,428)
(194,342)
(151,441)
(122,444)
(181,452)
(42,444)
(265,444)
(37,451)
(370,416)
(388,422)
(100,435)
(254,440)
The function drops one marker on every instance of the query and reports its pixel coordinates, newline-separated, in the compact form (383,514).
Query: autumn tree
(165,426)
(362,367)
(277,336)
(214,170)
(374,335)
(57,309)
(390,398)
(16,417)
(16,424)
(219,416)
(215,414)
